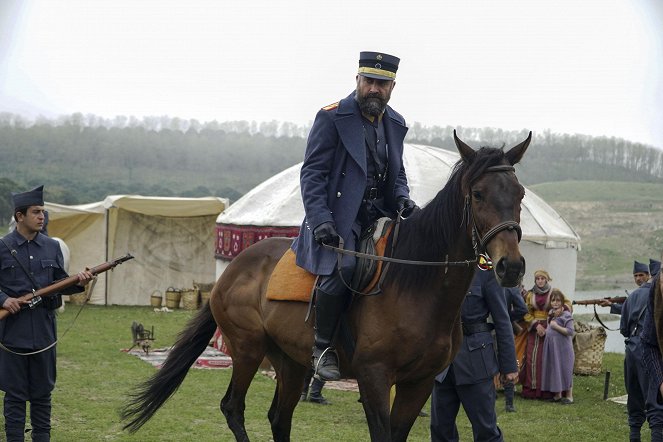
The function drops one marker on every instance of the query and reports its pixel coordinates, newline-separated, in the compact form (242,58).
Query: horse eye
(476,195)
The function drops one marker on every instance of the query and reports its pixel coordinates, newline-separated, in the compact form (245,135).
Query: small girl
(558,356)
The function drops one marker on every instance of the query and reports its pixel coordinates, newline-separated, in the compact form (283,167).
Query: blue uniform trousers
(478,401)
(635,379)
(35,388)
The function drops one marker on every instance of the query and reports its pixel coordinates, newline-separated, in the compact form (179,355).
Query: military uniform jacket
(30,329)
(333,177)
(477,360)
(633,318)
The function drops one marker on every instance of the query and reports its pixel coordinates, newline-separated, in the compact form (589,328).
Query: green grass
(94,378)
(573,190)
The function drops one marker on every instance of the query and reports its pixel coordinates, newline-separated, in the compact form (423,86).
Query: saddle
(289,282)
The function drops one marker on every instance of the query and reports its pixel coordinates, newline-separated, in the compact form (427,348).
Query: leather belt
(476,327)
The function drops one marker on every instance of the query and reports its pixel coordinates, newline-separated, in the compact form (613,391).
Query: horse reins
(479,243)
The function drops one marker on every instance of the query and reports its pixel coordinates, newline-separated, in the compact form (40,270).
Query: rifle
(31,300)
(613,300)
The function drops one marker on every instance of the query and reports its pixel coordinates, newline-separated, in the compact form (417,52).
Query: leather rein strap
(479,243)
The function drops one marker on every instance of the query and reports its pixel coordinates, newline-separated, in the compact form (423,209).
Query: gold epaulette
(331,106)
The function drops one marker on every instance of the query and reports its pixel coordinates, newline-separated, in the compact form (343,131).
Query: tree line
(84,158)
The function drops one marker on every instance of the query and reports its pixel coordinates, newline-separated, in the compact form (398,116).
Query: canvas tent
(170,238)
(274,208)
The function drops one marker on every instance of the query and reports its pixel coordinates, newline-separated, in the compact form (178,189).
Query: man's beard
(372,104)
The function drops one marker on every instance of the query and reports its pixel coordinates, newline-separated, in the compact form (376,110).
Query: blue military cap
(654,266)
(34,197)
(378,65)
(639,267)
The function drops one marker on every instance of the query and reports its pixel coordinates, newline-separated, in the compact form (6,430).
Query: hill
(607,188)
(618,222)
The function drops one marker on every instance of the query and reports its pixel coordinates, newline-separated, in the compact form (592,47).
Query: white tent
(172,240)
(274,208)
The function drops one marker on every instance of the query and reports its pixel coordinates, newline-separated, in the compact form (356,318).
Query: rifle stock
(62,284)
(614,300)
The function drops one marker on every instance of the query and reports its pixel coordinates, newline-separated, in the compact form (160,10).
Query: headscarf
(546,288)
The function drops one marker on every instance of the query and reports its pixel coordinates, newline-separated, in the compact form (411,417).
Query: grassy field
(617,223)
(94,377)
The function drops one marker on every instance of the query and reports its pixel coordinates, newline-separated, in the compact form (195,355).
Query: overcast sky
(590,66)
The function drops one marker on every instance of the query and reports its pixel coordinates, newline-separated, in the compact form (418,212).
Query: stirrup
(323,355)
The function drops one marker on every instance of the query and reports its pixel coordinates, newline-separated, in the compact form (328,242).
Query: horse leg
(289,383)
(233,403)
(410,399)
(374,387)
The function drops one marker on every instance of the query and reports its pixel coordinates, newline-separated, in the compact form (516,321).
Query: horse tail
(154,392)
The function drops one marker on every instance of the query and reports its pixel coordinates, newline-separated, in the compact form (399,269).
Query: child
(558,356)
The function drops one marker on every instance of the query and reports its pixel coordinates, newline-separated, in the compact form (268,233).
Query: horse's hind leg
(289,383)
(234,402)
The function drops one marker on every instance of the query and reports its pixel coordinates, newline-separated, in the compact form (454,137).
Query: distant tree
(7,186)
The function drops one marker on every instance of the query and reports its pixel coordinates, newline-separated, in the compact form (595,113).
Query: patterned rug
(213,358)
(210,358)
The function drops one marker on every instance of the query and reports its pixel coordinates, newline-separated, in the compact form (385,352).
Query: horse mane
(429,233)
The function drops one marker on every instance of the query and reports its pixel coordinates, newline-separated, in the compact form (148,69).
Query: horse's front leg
(374,386)
(410,399)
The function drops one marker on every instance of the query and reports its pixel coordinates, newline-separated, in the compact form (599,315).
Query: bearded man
(352,175)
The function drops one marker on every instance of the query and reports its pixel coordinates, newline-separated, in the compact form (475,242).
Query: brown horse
(403,337)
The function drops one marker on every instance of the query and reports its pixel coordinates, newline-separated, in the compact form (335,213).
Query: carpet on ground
(210,357)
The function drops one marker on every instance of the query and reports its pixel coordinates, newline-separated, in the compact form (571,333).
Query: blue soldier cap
(34,197)
(640,267)
(378,65)
(654,266)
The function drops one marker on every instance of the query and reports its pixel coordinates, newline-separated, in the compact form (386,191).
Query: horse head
(492,206)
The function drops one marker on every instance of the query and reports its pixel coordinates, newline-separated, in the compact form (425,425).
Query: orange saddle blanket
(290,282)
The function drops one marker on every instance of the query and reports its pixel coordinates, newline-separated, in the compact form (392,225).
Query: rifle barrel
(62,284)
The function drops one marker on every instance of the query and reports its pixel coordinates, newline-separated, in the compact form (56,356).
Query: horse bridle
(479,243)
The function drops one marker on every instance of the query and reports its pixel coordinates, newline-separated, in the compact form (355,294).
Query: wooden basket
(156,299)
(78,298)
(205,290)
(190,299)
(173,297)
(588,346)
(81,298)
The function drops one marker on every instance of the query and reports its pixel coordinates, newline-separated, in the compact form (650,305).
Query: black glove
(406,206)
(325,233)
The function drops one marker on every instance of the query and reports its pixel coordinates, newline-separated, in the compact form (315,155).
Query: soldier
(352,175)
(635,377)
(640,276)
(469,378)
(650,346)
(29,260)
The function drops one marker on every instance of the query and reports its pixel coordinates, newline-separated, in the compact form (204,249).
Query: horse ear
(466,152)
(515,154)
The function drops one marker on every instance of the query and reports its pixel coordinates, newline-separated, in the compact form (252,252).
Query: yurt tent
(274,208)
(172,240)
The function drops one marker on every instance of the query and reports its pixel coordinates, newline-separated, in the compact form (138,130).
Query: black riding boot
(307,382)
(328,309)
(316,393)
(509,390)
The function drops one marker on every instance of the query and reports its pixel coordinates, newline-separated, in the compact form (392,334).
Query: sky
(591,67)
